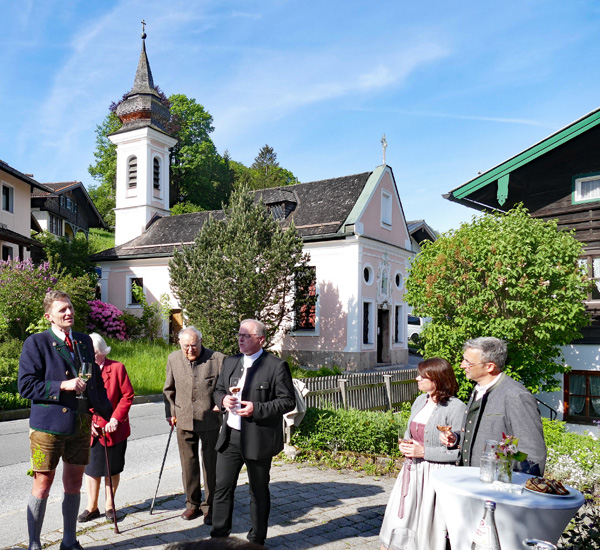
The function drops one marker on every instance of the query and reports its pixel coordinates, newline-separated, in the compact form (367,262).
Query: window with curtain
(582,396)
(587,189)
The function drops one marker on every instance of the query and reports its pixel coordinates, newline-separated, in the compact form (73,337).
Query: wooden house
(65,209)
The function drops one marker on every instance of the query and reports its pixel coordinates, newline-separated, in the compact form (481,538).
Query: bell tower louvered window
(132,173)
(156,173)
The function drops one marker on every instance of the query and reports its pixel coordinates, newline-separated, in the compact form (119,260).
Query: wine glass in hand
(235,389)
(445,429)
(85,373)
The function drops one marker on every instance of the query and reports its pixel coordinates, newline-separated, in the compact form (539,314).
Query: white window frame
(386,209)
(399,324)
(130,279)
(132,189)
(401,275)
(577,183)
(368,267)
(157,190)
(11,198)
(372,324)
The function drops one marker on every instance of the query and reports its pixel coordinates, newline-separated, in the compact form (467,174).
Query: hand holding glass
(445,429)
(235,388)
(85,373)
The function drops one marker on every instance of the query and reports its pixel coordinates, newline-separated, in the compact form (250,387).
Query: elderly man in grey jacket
(497,405)
(192,373)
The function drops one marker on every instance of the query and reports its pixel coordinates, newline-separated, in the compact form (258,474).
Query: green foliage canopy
(242,266)
(505,275)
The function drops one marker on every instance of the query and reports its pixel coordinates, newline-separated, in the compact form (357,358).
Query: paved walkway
(311,508)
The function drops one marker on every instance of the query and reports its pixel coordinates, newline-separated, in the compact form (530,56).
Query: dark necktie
(69,343)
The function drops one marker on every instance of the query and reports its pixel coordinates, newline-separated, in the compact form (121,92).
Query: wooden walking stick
(110,485)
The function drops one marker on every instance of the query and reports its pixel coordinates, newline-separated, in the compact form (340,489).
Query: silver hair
(493,350)
(193,330)
(261,329)
(100,344)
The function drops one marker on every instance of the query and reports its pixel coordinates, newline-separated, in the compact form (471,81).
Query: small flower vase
(505,470)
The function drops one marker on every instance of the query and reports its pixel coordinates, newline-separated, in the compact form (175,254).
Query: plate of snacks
(546,487)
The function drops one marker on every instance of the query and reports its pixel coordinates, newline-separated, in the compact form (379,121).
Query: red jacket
(120,392)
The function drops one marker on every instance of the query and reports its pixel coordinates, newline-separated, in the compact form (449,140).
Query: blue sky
(456,86)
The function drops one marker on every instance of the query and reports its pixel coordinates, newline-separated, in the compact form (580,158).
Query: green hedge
(351,430)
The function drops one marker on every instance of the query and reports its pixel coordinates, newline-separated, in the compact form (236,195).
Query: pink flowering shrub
(107,319)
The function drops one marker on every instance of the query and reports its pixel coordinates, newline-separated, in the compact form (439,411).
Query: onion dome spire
(142,105)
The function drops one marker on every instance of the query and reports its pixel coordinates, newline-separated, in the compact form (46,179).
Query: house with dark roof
(558,178)
(64,209)
(353,227)
(16,220)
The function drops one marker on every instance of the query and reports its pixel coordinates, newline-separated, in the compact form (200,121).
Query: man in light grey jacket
(497,405)
(192,373)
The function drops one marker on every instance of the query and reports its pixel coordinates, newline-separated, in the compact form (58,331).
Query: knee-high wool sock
(36,510)
(70,509)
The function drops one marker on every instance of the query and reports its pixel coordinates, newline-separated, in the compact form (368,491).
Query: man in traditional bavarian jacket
(497,405)
(60,422)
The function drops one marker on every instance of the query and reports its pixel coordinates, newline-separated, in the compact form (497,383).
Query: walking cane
(162,465)
(109,476)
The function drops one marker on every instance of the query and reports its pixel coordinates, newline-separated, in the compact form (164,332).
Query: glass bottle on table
(486,533)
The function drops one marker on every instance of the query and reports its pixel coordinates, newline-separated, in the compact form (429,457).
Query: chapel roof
(321,208)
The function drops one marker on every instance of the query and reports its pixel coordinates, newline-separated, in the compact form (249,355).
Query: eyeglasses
(189,346)
(246,336)
(469,364)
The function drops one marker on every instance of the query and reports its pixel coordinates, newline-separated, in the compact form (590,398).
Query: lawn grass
(145,362)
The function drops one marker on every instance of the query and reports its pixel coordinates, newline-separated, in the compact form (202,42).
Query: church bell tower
(143,146)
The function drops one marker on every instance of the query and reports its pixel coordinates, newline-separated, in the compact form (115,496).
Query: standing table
(461,497)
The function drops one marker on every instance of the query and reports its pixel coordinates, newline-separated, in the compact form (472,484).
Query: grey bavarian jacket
(507,407)
(449,413)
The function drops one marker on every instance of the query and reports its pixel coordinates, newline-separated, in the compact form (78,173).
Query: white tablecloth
(518,516)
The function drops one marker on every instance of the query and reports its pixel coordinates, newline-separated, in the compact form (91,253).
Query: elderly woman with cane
(108,438)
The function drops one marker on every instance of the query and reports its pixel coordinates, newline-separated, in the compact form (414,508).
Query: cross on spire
(143,29)
(384,145)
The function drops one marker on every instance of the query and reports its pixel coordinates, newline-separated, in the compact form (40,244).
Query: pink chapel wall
(371,218)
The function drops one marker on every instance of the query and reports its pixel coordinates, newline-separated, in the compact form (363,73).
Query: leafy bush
(23,287)
(572,458)
(106,319)
(10,350)
(350,430)
(154,315)
(72,255)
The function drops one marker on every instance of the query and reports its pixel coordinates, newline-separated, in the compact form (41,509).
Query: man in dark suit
(191,378)
(60,423)
(252,433)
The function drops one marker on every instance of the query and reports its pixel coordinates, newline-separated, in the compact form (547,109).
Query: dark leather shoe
(191,514)
(88,516)
(110,515)
(207,519)
(75,546)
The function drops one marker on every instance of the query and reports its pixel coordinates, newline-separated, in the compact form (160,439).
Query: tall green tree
(264,173)
(505,275)
(242,266)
